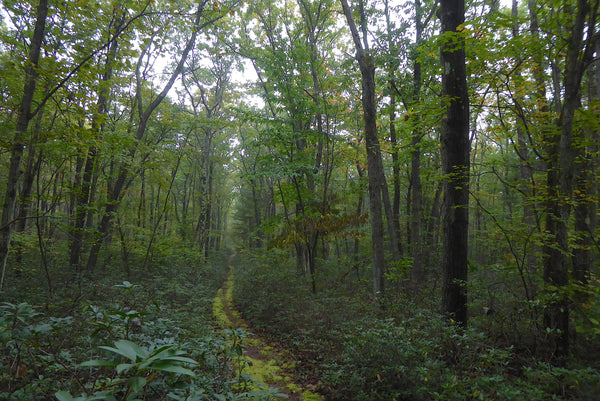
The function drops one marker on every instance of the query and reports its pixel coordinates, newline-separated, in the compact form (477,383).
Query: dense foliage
(356,350)
(405,228)
(73,341)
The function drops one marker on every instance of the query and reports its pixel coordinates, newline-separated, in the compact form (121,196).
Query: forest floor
(269,366)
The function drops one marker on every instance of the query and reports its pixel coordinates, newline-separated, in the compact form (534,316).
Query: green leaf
(100,395)
(136,383)
(41,328)
(123,367)
(167,366)
(181,359)
(164,349)
(166,354)
(63,396)
(66,396)
(96,363)
(127,349)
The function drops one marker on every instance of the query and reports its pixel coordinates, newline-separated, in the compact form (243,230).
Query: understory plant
(421,358)
(148,339)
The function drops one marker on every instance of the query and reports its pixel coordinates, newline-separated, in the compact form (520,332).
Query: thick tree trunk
(18,143)
(455,164)
(374,175)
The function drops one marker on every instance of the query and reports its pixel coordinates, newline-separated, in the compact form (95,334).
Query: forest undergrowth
(399,348)
(267,366)
(145,335)
(152,335)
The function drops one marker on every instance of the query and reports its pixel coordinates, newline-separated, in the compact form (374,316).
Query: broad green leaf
(123,367)
(116,351)
(164,349)
(181,359)
(167,366)
(64,396)
(127,349)
(136,383)
(41,328)
(96,363)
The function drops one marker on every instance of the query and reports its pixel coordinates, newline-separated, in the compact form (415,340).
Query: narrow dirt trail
(264,363)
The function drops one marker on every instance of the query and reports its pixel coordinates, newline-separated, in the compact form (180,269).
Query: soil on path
(263,362)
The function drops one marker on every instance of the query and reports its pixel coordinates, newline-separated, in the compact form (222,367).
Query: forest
(299,199)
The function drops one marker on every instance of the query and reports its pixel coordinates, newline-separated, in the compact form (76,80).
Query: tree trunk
(83,188)
(586,186)
(392,70)
(455,149)
(560,180)
(208,210)
(124,171)
(34,161)
(375,165)
(359,212)
(19,140)
(525,169)
(395,165)
(415,172)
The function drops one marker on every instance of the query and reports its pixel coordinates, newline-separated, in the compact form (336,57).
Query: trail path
(266,364)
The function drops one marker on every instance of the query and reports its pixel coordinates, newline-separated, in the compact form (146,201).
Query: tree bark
(23,118)
(455,149)
(415,174)
(560,180)
(587,185)
(374,162)
(33,163)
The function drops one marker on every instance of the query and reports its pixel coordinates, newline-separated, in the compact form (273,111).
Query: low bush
(422,359)
(353,348)
(151,338)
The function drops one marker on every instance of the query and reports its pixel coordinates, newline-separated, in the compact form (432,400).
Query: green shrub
(385,361)
(154,316)
(421,359)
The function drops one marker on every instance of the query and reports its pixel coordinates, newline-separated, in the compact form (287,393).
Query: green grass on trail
(267,366)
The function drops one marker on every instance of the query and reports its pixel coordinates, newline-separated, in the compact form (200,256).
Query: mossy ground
(261,361)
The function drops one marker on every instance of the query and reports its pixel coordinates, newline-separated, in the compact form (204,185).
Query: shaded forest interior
(406,190)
